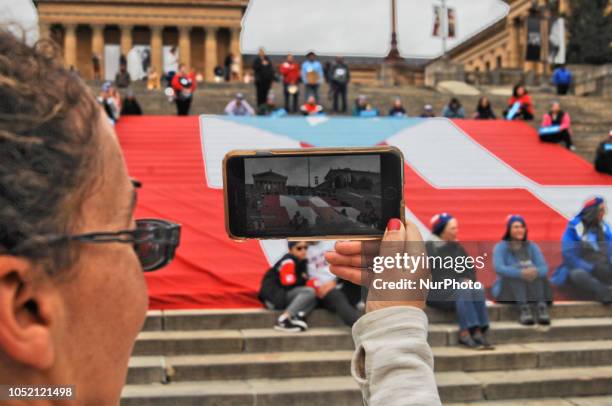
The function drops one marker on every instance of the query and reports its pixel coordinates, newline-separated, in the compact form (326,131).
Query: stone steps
(186,320)
(281,365)
(338,338)
(234,357)
(342,390)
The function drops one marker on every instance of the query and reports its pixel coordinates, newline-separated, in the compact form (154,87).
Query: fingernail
(394,225)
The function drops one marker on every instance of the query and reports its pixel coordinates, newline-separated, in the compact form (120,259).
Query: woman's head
(519,90)
(62,173)
(593,211)
(445,226)
(555,107)
(484,103)
(298,249)
(454,103)
(516,228)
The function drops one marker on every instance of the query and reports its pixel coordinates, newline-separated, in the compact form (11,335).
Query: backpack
(603,158)
(340,74)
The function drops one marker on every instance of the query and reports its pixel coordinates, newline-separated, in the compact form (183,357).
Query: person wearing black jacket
(286,287)
(468,304)
(339,78)
(603,156)
(264,76)
(484,111)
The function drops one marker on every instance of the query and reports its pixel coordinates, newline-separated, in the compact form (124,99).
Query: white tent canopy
(363,27)
(21,18)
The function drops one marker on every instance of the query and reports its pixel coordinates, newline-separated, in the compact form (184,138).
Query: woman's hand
(347,262)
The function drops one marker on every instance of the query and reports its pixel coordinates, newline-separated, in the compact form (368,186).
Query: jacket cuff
(390,324)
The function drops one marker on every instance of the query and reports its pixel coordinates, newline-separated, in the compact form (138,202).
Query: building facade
(504,46)
(204,32)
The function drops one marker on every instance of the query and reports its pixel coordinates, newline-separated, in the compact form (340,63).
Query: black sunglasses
(154,241)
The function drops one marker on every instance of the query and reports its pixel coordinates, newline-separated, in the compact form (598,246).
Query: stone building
(270,183)
(204,31)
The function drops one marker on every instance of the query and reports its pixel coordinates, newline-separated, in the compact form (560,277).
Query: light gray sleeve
(393,363)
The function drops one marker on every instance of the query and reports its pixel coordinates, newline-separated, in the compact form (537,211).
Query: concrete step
(339,338)
(184,320)
(338,391)
(577,401)
(278,365)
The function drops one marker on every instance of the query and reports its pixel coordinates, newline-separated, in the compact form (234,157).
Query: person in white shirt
(239,107)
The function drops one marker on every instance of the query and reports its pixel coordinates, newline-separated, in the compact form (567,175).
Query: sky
(296,168)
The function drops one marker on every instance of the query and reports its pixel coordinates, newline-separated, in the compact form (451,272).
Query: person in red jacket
(183,84)
(520,105)
(291,83)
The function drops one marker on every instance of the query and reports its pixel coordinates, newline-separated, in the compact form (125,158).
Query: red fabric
(290,72)
(210,270)
(287,273)
(517,144)
(525,100)
(177,86)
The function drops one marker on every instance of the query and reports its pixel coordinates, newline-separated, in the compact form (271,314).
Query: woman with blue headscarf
(521,273)
(587,252)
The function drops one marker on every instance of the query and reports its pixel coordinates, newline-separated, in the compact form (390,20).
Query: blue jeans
(311,90)
(524,291)
(471,309)
(588,283)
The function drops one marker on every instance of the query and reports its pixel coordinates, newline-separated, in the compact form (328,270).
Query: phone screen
(313,194)
(309,195)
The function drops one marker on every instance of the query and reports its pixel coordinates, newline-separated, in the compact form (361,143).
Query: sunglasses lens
(156,243)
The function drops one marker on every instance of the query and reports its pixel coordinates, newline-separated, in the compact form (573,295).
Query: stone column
(97,45)
(514,44)
(184,43)
(156,49)
(44,30)
(126,39)
(70,45)
(545,33)
(235,48)
(210,53)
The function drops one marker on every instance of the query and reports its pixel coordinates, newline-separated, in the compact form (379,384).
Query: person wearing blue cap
(521,273)
(468,304)
(587,252)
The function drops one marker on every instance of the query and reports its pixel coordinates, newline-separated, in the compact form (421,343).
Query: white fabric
(318,267)
(393,364)
(21,18)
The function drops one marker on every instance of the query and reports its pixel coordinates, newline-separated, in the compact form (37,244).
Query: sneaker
(469,342)
(483,341)
(543,317)
(300,321)
(287,325)
(572,148)
(526,317)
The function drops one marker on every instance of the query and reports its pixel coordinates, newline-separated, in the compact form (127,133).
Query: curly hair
(47,149)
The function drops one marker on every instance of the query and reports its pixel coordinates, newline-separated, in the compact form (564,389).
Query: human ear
(26,305)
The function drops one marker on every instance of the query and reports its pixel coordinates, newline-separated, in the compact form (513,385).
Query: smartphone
(313,193)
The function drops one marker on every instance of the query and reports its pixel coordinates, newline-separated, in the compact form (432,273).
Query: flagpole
(394,54)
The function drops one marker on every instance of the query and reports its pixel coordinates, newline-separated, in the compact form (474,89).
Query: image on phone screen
(313,195)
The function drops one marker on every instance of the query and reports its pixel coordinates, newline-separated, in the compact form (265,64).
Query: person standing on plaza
(183,84)
(264,76)
(290,70)
(312,76)
(340,76)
